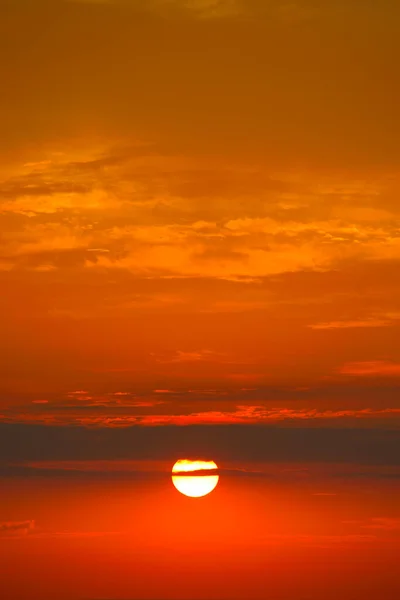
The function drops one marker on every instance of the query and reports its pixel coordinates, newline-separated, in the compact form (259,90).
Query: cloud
(212,8)
(201,9)
(372,447)
(143,211)
(136,470)
(352,324)
(116,414)
(15,529)
(189,356)
(391,524)
(280,10)
(371,368)
(10,529)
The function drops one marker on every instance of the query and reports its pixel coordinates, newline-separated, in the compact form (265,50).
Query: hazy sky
(199,225)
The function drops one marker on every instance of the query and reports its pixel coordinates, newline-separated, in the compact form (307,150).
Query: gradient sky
(200,254)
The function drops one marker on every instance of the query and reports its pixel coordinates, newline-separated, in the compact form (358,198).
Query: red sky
(199,253)
(283,534)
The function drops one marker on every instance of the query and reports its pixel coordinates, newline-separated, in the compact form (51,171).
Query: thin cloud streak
(245,414)
(353,324)
(377,368)
(11,529)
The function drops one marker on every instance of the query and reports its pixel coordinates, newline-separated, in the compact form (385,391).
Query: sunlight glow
(194,486)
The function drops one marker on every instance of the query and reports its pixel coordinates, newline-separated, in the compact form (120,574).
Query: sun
(199,483)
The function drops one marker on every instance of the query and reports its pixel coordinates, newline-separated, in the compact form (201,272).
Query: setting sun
(197,484)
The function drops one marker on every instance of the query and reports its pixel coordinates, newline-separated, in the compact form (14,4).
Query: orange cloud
(191,237)
(182,356)
(242,414)
(371,368)
(352,324)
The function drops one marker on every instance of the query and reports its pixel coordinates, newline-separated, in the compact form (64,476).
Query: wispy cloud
(371,368)
(183,356)
(213,8)
(201,9)
(391,524)
(355,324)
(241,415)
(16,528)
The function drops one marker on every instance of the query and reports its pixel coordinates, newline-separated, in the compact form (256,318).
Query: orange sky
(199,197)
(199,254)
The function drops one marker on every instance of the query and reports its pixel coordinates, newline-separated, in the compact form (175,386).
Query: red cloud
(241,415)
(16,528)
